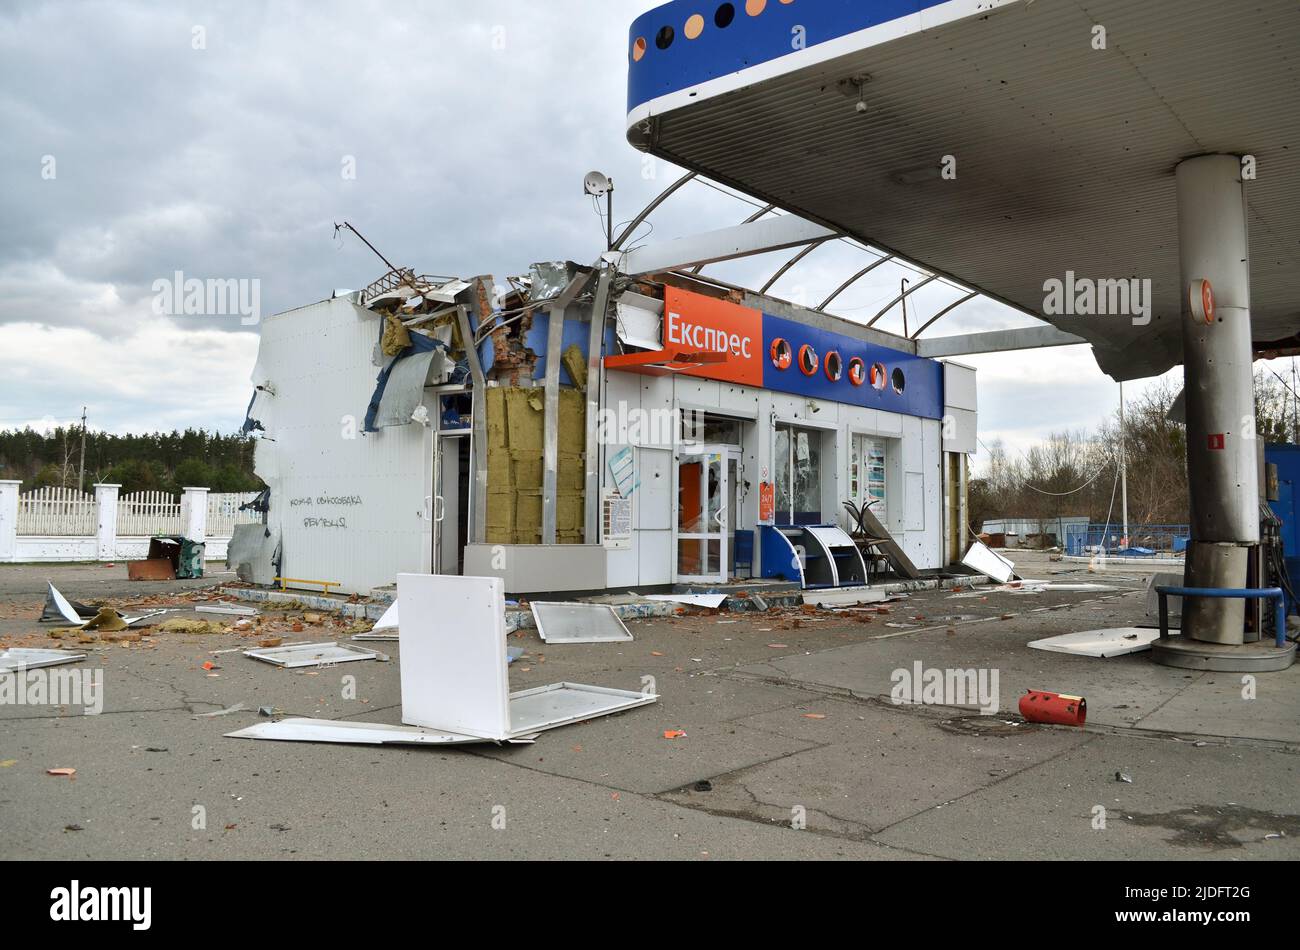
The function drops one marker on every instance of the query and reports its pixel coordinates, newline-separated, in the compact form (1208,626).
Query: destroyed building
(693,432)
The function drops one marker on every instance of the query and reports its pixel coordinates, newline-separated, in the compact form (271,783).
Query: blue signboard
(821,364)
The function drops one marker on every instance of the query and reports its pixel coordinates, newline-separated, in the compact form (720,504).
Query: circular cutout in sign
(782,355)
(857,371)
(900,382)
(834,366)
(878,375)
(1202,300)
(808,361)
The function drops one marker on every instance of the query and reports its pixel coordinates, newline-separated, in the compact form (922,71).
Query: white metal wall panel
(453,662)
(351,505)
(959,387)
(960,431)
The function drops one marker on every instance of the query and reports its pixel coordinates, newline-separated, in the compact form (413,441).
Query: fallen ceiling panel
(353,733)
(18,658)
(578,623)
(1100,643)
(313,654)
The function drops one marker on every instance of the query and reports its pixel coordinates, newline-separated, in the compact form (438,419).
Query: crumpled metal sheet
(252,553)
(404,392)
(549,278)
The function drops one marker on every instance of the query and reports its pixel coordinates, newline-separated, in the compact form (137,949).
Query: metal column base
(1188,654)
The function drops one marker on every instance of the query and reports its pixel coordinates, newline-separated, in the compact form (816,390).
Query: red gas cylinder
(1039,706)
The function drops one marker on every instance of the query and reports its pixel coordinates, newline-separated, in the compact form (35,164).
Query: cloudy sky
(224,140)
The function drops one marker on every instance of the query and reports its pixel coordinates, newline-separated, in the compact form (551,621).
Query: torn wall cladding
(515,427)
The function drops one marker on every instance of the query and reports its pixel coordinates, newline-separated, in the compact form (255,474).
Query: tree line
(1072,474)
(157,461)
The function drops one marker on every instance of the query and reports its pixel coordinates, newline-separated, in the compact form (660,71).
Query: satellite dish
(597,183)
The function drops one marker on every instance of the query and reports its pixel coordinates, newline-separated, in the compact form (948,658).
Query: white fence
(56,512)
(63,524)
(146,513)
(224,513)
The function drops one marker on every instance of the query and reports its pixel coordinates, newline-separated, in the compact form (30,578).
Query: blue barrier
(1270,593)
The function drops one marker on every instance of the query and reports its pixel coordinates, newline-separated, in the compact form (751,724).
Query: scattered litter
(779,646)
(1117,641)
(674,734)
(210,666)
(1054,708)
(313,654)
(990,563)
(61,772)
(711,601)
(1124,777)
(814,715)
(238,707)
(232,609)
(578,623)
(16,658)
(703,785)
(267,711)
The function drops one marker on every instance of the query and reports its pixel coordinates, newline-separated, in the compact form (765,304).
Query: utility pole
(81,472)
(1123,467)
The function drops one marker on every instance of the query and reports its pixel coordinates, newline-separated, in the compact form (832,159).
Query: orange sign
(766,502)
(699,324)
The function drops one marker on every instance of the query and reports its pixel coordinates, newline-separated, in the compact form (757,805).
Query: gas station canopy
(1003,143)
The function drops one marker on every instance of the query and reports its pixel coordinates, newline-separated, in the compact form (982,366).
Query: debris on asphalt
(19,658)
(1117,641)
(674,734)
(572,622)
(313,654)
(233,609)
(1124,777)
(710,601)
(181,625)
(57,607)
(61,772)
(988,562)
(238,707)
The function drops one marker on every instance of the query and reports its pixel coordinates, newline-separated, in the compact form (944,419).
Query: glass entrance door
(702,528)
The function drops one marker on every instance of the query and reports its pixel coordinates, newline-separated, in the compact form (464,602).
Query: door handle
(439,508)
